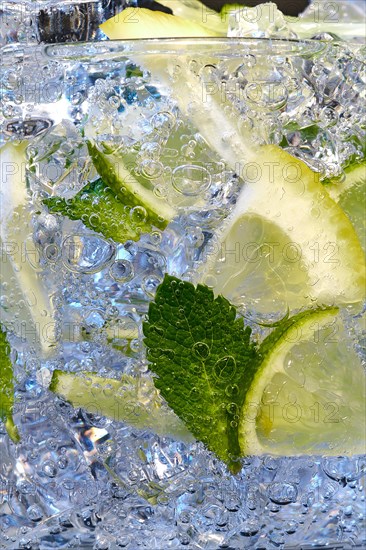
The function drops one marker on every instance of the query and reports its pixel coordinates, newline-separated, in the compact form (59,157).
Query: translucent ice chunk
(59,161)
(262,21)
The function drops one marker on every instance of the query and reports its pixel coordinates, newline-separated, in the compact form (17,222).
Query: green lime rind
(350,196)
(97,206)
(271,356)
(7,389)
(133,400)
(128,190)
(204,360)
(284,327)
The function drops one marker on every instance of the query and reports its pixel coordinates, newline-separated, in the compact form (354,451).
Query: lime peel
(7,389)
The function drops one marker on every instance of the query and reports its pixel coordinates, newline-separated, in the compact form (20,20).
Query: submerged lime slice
(7,389)
(308,395)
(26,308)
(287,243)
(144,23)
(350,194)
(135,401)
(145,206)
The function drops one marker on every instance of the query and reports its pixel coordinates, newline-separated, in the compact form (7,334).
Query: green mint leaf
(204,362)
(97,206)
(7,389)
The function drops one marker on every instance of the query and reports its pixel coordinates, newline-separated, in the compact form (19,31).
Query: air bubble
(162,121)
(151,169)
(282,493)
(201,350)
(49,468)
(191,179)
(138,214)
(194,394)
(34,512)
(232,390)
(122,271)
(225,368)
(232,408)
(87,253)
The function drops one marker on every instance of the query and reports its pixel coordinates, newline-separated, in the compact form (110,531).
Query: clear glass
(78,479)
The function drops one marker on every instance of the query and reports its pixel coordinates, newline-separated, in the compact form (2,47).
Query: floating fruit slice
(26,308)
(308,395)
(135,401)
(7,389)
(144,23)
(287,244)
(350,194)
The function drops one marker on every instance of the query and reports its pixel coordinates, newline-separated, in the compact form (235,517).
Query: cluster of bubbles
(80,480)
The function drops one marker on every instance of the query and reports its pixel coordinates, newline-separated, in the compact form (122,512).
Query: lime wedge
(26,308)
(135,401)
(308,395)
(350,194)
(144,23)
(287,244)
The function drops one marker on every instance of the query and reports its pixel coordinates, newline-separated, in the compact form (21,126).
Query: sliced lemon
(308,395)
(287,244)
(133,400)
(144,23)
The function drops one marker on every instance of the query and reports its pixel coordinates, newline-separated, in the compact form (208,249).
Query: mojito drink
(182,293)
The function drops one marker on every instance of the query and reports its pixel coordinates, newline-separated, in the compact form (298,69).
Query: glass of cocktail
(182,281)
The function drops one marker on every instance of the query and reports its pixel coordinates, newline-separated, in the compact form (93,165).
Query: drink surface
(81,269)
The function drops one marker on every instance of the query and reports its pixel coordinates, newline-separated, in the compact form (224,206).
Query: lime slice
(308,395)
(350,194)
(144,23)
(286,244)
(194,10)
(145,205)
(7,389)
(26,307)
(135,401)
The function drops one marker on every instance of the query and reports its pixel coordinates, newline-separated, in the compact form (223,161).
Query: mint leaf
(97,206)
(7,388)
(204,362)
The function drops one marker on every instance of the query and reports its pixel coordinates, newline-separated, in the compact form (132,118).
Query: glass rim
(220,47)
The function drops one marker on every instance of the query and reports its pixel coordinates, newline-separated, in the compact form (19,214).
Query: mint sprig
(7,389)
(204,361)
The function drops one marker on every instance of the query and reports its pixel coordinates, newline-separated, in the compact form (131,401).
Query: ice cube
(59,161)
(262,21)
